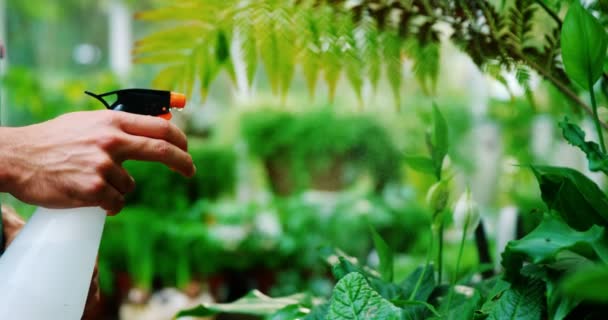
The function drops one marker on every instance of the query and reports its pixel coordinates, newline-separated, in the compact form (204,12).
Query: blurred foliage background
(287,166)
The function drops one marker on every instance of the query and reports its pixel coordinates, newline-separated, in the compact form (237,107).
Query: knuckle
(164,129)
(111,118)
(109,141)
(162,149)
(96,185)
(103,165)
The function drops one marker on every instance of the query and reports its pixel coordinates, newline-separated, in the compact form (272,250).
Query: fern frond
(520,19)
(522,75)
(357,39)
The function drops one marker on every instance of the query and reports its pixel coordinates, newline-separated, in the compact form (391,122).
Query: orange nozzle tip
(177,100)
(166,116)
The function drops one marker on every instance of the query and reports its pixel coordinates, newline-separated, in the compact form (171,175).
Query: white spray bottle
(46,271)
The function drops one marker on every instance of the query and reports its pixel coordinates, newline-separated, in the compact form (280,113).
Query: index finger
(152,127)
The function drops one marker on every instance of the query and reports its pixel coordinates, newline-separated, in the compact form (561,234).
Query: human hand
(75,160)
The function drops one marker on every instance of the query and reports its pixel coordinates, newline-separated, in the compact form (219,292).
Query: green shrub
(216,174)
(314,143)
(162,189)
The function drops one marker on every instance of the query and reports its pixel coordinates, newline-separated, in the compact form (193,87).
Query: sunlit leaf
(392,56)
(584,45)
(168,77)
(597,160)
(254,303)
(353,298)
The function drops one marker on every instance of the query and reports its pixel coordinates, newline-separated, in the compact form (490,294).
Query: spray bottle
(46,272)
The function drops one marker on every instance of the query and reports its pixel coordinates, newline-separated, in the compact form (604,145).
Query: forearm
(8,167)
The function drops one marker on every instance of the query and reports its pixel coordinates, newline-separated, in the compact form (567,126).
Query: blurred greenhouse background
(281,177)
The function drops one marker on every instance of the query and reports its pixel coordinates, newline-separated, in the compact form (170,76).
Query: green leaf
(465,301)
(560,306)
(523,302)
(294,311)
(440,138)
(392,56)
(249,51)
(354,298)
(168,77)
(423,275)
(414,310)
(426,66)
(421,164)
(552,236)
(385,254)
(162,57)
(428,306)
(589,284)
(598,161)
(580,202)
(493,297)
(254,303)
(346,265)
(584,45)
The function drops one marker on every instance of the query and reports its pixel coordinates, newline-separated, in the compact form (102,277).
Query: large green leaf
(584,45)
(550,238)
(598,161)
(385,254)
(354,298)
(580,202)
(523,302)
(589,284)
(254,303)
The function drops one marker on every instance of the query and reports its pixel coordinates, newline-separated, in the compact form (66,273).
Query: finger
(118,177)
(139,148)
(12,224)
(110,200)
(152,127)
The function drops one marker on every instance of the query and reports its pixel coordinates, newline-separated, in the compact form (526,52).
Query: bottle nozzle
(177,100)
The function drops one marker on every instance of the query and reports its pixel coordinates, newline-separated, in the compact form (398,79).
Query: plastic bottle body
(46,272)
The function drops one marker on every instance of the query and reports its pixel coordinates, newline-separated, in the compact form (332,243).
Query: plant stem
(559,85)
(426,266)
(460,250)
(596,118)
(551,13)
(440,253)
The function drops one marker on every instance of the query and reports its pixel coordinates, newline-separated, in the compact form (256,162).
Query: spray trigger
(143,101)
